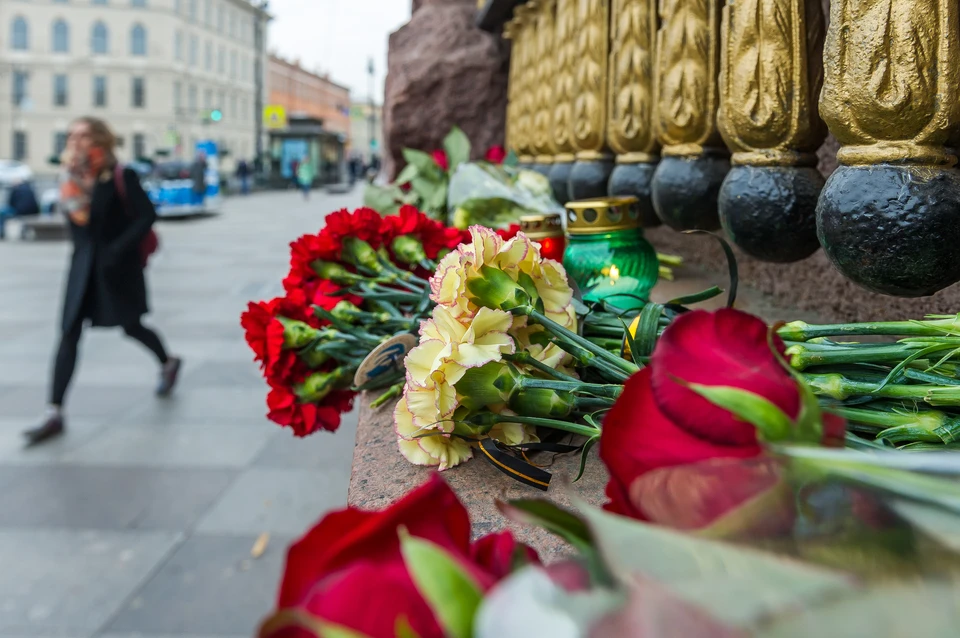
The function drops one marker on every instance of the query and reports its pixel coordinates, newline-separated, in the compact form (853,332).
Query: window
(178,45)
(208,99)
(59,143)
(19,146)
(99,90)
(99,39)
(193,10)
(139,146)
(220,18)
(138,3)
(139,93)
(21,87)
(19,34)
(233,106)
(208,56)
(138,40)
(60,92)
(233,24)
(176,7)
(61,37)
(208,13)
(192,96)
(177,97)
(194,50)
(233,64)
(221,60)
(99,1)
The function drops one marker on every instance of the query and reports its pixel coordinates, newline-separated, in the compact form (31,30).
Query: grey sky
(338,36)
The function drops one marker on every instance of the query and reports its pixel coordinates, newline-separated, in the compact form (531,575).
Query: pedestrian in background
(243,174)
(109,217)
(198,177)
(21,202)
(305,177)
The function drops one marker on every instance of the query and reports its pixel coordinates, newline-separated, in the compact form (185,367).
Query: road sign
(274,117)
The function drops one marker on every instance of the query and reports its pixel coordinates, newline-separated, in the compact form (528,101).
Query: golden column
(630,130)
(511,31)
(887,218)
(565,49)
(594,162)
(526,41)
(545,62)
(693,159)
(771,62)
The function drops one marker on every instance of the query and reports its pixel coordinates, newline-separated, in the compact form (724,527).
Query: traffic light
(216,115)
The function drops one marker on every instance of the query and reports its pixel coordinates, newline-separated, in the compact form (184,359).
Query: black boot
(52,427)
(168,376)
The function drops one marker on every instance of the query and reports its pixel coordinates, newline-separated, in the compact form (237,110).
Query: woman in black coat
(110,216)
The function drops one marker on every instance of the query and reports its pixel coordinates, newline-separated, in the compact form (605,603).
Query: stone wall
(443,71)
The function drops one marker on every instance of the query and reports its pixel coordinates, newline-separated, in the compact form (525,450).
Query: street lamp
(261,8)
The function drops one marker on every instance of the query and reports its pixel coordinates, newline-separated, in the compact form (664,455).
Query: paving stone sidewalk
(141,521)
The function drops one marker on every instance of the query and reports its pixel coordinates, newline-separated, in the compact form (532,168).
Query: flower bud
(297,334)
(345,311)
(496,290)
(357,252)
(314,358)
(408,250)
(334,272)
(318,385)
(545,404)
(488,386)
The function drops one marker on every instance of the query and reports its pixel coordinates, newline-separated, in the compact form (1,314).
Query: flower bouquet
(730,514)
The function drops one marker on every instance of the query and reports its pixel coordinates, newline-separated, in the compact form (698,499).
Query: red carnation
(496,154)
(304,419)
(432,235)
(510,232)
(254,322)
(441,160)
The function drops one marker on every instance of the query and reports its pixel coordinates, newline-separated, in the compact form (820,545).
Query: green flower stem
(586,359)
(838,387)
(800,331)
(611,345)
(900,427)
(394,391)
(608,391)
(429,265)
(801,357)
(572,428)
(402,274)
(589,405)
(559,331)
(525,358)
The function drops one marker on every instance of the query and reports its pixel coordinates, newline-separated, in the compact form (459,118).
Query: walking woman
(110,216)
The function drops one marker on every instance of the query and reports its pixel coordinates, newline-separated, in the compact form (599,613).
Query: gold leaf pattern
(566,20)
(630,126)
(542,126)
(590,75)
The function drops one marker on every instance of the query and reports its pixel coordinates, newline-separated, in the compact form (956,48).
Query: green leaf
(511,160)
(382,199)
(438,199)
(551,517)
(584,453)
(424,163)
(457,146)
(734,584)
(703,295)
(407,174)
(450,592)
(942,525)
(404,630)
(773,424)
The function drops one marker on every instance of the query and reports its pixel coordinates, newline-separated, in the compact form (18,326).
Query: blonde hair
(101,136)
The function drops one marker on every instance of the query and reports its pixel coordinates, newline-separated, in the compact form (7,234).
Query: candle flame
(614,274)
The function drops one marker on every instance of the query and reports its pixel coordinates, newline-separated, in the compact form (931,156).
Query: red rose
(496,154)
(348,570)
(441,160)
(658,425)
(497,554)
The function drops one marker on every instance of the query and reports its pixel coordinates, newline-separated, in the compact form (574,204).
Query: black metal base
(589,179)
(560,181)
(770,212)
(893,229)
(635,179)
(543,169)
(685,191)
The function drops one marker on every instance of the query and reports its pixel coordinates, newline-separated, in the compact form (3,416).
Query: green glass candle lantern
(607,255)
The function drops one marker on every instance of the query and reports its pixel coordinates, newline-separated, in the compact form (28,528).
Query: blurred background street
(141,520)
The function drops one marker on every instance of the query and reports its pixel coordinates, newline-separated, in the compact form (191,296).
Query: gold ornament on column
(542,125)
(887,218)
(594,162)
(630,130)
(511,32)
(771,71)
(694,160)
(565,48)
(526,91)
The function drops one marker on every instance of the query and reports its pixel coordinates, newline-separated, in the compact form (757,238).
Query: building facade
(316,126)
(366,130)
(156,70)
